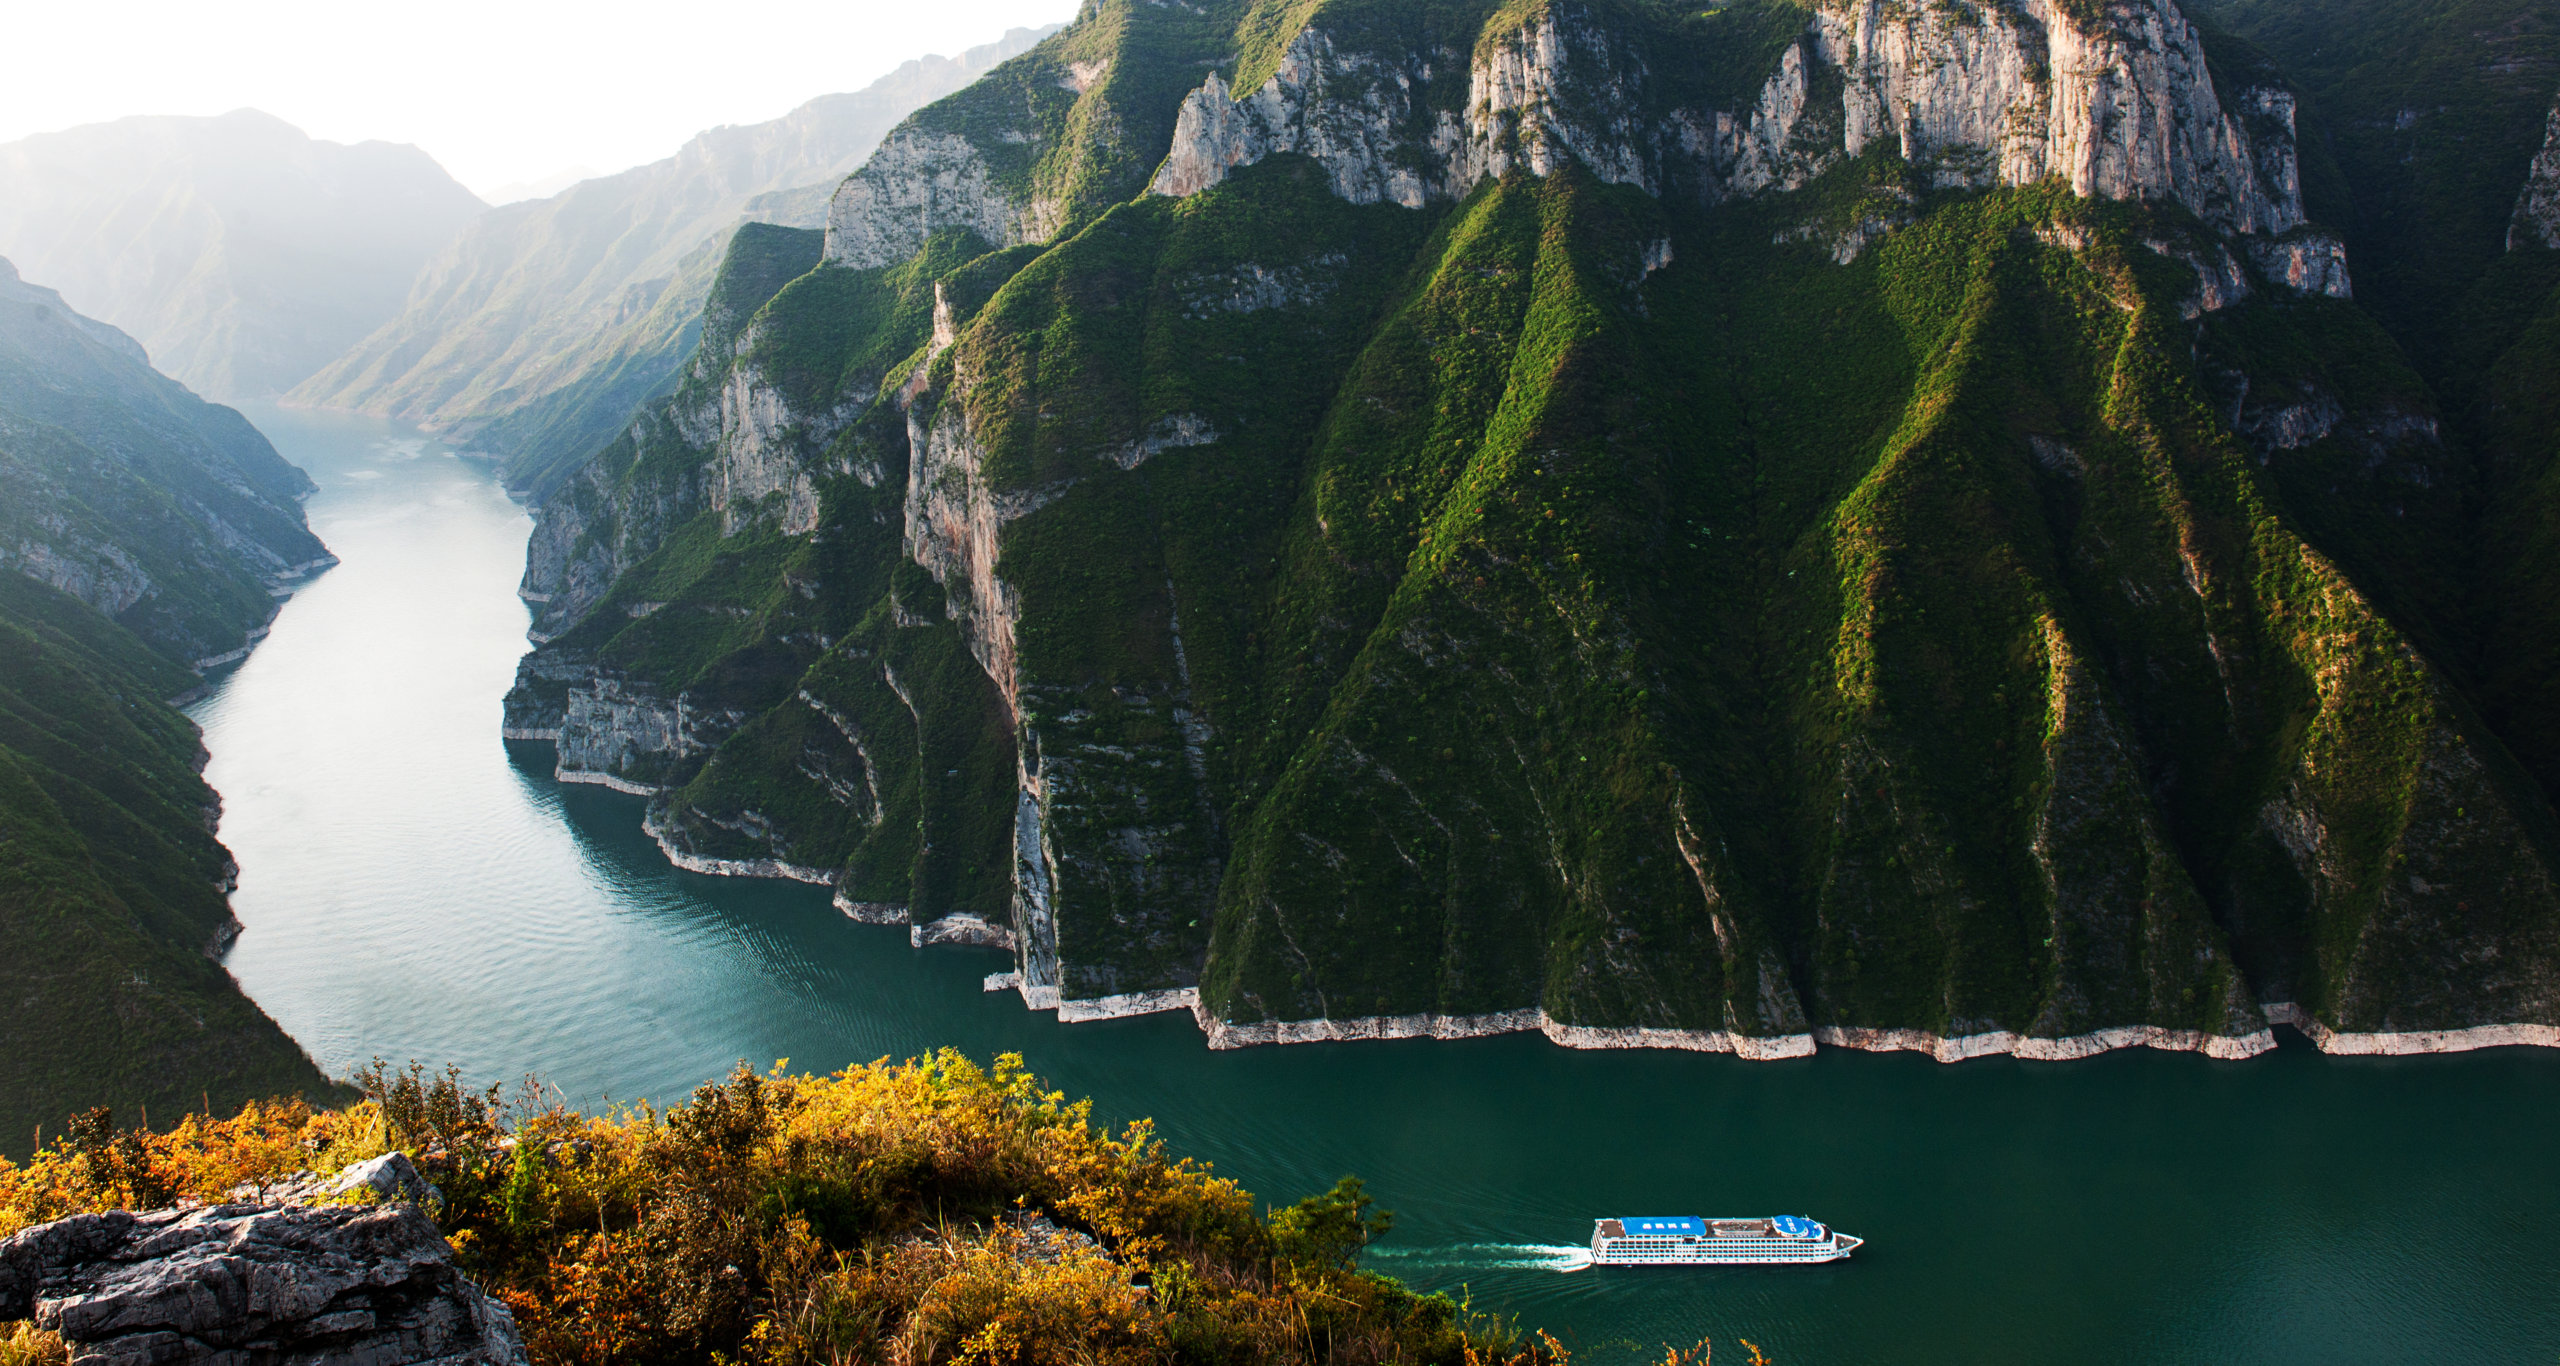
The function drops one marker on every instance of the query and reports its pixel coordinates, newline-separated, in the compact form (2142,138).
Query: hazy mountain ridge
(538,330)
(1719,531)
(242,253)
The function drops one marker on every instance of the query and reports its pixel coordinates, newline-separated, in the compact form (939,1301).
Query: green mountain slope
(123,496)
(1714,530)
(112,888)
(2436,114)
(168,513)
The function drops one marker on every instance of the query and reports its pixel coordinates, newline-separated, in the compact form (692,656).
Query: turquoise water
(413,888)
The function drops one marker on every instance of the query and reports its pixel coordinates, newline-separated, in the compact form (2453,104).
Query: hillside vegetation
(143,533)
(924,1212)
(1570,516)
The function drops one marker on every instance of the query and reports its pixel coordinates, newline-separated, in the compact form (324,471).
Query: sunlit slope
(1519,569)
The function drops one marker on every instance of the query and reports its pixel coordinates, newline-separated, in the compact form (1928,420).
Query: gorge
(411,887)
(1957,606)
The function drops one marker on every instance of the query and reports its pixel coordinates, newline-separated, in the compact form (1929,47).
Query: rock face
(252,1282)
(2118,106)
(1352,529)
(923,182)
(2537,216)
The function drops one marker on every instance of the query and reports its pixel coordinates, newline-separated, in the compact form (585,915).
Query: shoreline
(727,867)
(2412,1042)
(590,778)
(1223,1036)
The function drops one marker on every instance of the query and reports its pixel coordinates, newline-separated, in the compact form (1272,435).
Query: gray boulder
(254,1285)
(391,1176)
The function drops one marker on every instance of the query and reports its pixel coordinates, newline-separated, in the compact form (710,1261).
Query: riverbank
(1224,1036)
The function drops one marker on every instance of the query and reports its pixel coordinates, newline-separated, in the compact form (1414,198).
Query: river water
(413,888)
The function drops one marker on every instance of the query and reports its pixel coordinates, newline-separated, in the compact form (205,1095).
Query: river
(412,887)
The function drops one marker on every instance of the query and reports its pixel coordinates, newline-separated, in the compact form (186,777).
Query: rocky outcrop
(2119,107)
(260,1282)
(1355,113)
(630,736)
(920,182)
(953,520)
(763,471)
(2537,217)
(2306,261)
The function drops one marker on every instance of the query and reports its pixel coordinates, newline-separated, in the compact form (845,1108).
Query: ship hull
(1722,1242)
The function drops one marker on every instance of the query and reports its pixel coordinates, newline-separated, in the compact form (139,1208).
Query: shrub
(908,1214)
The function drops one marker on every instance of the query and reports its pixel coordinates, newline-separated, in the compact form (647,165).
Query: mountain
(242,253)
(543,326)
(1840,523)
(149,530)
(2446,138)
(118,486)
(542,187)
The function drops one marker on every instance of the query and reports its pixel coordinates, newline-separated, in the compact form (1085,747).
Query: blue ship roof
(1662,1225)
(1796,1226)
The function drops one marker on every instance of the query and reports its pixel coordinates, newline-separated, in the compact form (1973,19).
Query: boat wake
(1493,1256)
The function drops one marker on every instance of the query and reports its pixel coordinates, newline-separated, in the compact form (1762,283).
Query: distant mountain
(544,325)
(167,513)
(148,529)
(243,253)
(541,187)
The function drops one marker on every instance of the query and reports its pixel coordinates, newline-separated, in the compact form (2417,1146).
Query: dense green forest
(1645,523)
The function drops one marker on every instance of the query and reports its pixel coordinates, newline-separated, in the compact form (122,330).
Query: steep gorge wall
(2119,105)
(1174,586)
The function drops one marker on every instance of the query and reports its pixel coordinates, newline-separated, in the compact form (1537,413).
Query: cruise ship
(1686,1240)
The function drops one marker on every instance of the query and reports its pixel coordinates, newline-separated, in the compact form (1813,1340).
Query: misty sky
(499,91)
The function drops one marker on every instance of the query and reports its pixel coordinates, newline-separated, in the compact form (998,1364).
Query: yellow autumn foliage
(922,1213)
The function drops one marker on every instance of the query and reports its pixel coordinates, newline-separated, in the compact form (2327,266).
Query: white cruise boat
(1687,1240)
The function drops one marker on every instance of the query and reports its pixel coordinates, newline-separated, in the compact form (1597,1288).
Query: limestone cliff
(2118,104)
(1722,530)
(2537,217)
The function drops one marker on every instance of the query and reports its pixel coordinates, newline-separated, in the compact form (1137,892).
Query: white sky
(497,90)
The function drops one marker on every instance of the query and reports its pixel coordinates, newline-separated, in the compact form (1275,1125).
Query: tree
(1328,1230)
